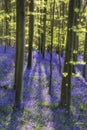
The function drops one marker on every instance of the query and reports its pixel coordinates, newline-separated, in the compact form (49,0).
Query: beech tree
(85,44)
(67,72)
(20,39)
(1,22)
(31,32)
(52,27)
(39,30)
(75,27)
(44,29)
(85,53)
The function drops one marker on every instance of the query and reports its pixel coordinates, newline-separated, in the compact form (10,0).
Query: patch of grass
(84,125)
(38,127)
(26,116)
(47,85)
(6,109)
(72,106)
(39,121)
(49,105)
(26,111)
(34,77)
(83,106)
(45,78)
(74,98)
(5,120)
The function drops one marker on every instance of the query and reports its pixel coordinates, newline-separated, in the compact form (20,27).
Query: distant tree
(75,25)
(7,3)
(1,21)
(39,29)
(20,39)
(52,27)
(27,25)
(85,53)
(44,29)
(9,20)
(67,72)
(31,32)
(59,49)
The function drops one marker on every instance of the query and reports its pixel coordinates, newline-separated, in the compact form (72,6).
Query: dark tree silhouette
(20,38)
(31,32)
(67,72)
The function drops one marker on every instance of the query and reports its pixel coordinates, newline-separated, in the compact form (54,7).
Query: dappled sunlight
(43,65)
(40,108)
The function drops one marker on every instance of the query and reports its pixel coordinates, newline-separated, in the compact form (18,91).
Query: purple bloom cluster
(41,110)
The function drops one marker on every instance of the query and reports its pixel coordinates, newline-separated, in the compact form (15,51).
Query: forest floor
(41,111)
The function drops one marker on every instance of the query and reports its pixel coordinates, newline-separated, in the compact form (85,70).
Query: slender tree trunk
(39,31)
(20,39)
(52,26)
(44,29)
(85,53)
(67,72)
(75,40)
(42,32)
(31,32)
(7,23)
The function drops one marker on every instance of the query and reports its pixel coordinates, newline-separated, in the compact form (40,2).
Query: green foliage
(65,74)
(6,109)
(76,10)
(83,106)
(49,105)
(75,75)
(60,22)
(77,62)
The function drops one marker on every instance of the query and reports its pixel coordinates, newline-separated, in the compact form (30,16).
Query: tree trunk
(52,26)
(44,29)
(7,23)
(67,72)
(85,53)
(75,40)
(20,39)
(31,32)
